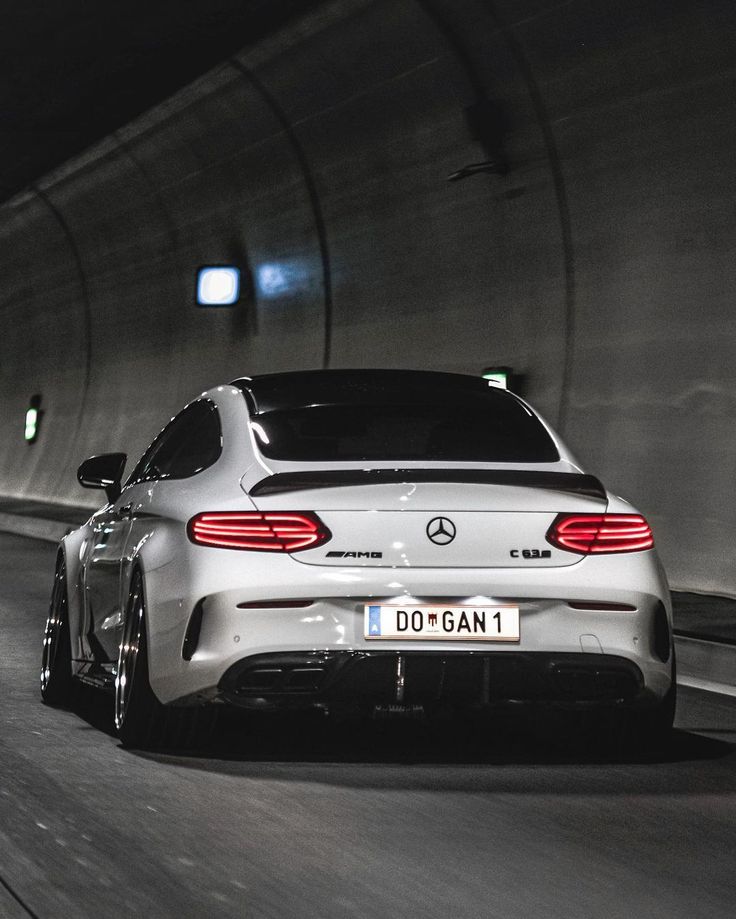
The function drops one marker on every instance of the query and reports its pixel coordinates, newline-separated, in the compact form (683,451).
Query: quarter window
(190,443)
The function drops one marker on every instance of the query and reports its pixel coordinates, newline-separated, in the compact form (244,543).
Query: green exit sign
(498,376)
(33,418)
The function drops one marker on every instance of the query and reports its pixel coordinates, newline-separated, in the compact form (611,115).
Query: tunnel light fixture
(500,377)
(218,285)
(33,417)
(31,424)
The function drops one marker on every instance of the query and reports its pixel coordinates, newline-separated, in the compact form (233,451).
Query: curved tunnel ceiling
(75,70)
(593,252)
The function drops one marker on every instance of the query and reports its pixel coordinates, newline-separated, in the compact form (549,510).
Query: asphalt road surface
(295,818)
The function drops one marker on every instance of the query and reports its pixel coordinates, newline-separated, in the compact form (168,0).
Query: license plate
(449,623)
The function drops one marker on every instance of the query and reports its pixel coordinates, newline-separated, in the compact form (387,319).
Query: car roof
(283,391)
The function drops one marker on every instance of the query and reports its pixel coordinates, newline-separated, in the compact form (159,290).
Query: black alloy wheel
(138,713)
(56,657)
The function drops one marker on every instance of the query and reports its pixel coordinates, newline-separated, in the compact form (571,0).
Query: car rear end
(423,539)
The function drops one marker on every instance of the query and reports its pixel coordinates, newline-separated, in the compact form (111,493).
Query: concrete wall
(601,264)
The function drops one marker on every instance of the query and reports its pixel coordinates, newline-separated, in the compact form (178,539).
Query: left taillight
(278,531)
(595,534)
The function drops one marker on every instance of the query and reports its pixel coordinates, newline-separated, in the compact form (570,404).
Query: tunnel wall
(597,259)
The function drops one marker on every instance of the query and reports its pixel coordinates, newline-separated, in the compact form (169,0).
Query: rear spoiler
(575,482)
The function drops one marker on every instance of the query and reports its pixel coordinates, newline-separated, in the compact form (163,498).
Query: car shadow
(518,754)
(515,750)
(94,708)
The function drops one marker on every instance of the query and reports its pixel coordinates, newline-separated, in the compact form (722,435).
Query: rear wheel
(138,713)
(56,658)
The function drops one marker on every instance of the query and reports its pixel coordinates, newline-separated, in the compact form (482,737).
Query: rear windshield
(479,430)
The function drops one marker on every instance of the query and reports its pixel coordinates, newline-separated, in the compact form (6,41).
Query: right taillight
(595,534)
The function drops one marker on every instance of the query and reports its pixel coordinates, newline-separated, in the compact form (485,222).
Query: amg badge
(355,555)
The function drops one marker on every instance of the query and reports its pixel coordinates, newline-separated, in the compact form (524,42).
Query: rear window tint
(478,430)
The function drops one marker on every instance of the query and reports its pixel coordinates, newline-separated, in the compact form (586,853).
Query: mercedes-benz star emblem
(441,530)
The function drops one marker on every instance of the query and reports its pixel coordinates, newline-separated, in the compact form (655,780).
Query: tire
(56,657)
(138,713)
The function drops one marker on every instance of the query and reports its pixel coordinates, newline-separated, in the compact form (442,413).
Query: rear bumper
(354,680)
(328,636)
(333,619)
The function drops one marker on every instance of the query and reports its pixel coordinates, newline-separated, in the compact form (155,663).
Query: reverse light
(595,534)
(282,531)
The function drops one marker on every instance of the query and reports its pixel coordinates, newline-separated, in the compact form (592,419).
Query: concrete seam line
(553,157)
(17,899)
(312,192)
(171,228)
(453,40)
(86,311)
(563,207)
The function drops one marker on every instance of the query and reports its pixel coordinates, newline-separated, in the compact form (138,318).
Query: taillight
(280,531)
(593,534)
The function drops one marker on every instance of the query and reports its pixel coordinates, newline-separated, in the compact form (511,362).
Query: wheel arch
(132,566)
(129,568)
(70,548)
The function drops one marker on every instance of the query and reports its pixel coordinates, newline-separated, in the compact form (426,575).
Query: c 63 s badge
(531,553)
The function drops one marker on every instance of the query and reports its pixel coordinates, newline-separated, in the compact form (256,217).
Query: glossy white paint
(179,574)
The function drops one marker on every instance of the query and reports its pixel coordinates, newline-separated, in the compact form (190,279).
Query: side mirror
(103,471)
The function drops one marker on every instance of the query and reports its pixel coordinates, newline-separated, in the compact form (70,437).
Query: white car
(358,540)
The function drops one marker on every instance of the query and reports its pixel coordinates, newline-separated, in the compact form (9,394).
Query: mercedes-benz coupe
(358,540)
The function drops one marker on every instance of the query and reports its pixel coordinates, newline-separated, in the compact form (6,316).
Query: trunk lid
(411,518)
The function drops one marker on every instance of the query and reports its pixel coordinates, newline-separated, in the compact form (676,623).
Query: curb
(704,664)
(35,527)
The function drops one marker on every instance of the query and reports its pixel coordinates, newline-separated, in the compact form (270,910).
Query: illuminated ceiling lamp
(218,285)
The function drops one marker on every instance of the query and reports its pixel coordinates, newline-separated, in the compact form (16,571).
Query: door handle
(125,512)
